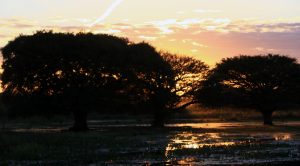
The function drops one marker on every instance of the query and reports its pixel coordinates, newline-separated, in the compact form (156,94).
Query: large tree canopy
(265,83)
(56,73)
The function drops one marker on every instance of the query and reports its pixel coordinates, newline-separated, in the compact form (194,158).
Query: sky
(208,30)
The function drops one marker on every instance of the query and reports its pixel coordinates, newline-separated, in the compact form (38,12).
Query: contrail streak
(106,13)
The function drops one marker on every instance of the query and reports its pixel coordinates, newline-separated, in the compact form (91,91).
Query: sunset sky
(206,29)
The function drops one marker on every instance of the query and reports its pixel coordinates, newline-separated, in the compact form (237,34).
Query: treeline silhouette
(59,73)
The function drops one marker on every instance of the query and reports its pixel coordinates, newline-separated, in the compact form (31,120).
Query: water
(226,148)
(234,143)
(196,143)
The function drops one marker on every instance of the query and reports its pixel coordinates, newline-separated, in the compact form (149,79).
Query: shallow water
(198,143)
(226,148)
(94,124)
(224,143)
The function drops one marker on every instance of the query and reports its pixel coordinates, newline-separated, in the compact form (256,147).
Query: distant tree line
(59,73)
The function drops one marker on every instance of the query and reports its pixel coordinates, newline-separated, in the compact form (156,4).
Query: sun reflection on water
(206,125)
(187,140)
(282,136)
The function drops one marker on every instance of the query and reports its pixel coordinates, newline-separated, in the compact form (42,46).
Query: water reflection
(283,136)
(225,125)
(232,145)
(187,140)
(210,125)
(39,130)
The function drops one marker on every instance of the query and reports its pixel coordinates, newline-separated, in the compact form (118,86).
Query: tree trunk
(80,121)
(160,109)
(267,115)
(159,118)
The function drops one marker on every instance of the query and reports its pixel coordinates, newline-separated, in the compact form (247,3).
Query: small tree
(265,83)
(188,75)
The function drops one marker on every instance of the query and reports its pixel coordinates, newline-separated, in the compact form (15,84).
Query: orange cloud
(208,39)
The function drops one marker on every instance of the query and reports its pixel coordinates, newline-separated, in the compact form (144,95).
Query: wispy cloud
(16,23)
(225,25)
(206,11)
(199,45)
(180,12)
(3,36)
(265,50)
(210,38)
(149,38)
(108,11)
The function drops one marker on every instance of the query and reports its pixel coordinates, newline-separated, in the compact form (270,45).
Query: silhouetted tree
(57,73)
(188,75)
(265,83)
(149,81)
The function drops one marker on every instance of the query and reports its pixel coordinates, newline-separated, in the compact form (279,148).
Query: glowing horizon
(208,30)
